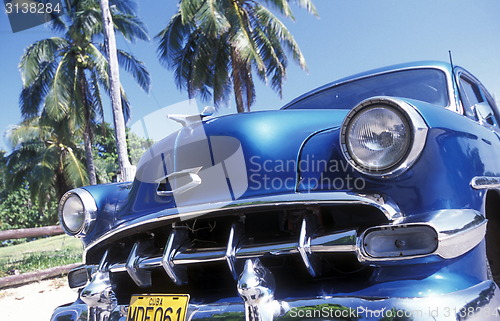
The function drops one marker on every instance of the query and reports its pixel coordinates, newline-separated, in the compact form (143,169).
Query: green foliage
(45,163)
(61,104)
(137,146)
(105,151)
(213,45)
(17,210)
(63,76)
(46,158)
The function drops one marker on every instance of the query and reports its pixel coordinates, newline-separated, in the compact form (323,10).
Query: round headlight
(77,211)
(382,136)
(73,214)
(378,138)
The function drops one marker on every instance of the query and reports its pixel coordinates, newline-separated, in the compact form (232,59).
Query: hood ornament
(181,181)
(188,120)
(256,287)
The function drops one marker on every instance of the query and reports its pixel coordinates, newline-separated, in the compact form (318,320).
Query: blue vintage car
(375,197)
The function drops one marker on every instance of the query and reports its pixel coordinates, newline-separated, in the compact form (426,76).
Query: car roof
(409,65)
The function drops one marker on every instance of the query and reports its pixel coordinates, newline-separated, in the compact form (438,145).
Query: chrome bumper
(479,302)
(458,232)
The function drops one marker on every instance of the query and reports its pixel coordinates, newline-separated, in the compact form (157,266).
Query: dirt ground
(35,301)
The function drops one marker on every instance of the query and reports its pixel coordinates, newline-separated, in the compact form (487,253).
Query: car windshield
(428,85)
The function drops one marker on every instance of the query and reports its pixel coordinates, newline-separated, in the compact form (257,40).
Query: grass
(40,254)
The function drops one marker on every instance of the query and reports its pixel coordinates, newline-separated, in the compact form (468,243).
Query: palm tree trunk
(237,84)
(116,103)
(87,134)
(89,158)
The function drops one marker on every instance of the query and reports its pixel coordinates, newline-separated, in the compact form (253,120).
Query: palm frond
(136,67)
(130,27)
(188,9)
(74,169)
(248,85)
(86,22)
(282,6)
(254,38)
(19,170)
(124,6)
(183,63)
(221,82)
(308,5)
(241,38)
(57,23)
(41,52)
(273,27)
(48,161)
(85,112)
(172,40)
(125,105)
(201,73)
(17,135)
(99,64)
(211,19)
(95,92)
(32,96)
(58,100)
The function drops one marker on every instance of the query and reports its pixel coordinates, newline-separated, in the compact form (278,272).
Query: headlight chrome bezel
(416,127)
(89,212)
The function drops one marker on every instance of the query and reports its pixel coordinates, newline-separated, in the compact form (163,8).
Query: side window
(476,102)
(470,95)
(492,108)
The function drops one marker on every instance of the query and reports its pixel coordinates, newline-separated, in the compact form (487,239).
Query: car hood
(227,158)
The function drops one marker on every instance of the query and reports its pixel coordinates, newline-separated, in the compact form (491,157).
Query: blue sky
(349,37)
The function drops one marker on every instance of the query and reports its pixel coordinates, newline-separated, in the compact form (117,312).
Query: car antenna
(454,75)
(451,59)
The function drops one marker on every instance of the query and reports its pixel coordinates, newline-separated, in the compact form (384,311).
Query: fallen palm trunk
(31,232)
(29,277)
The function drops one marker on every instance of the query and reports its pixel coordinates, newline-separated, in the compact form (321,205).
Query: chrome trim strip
(173,260)
(382,203)
(485,182)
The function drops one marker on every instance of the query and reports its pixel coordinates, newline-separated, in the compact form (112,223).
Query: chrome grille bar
(177,255)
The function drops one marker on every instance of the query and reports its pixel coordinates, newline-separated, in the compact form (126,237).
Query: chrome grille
(176,255)
(203,256)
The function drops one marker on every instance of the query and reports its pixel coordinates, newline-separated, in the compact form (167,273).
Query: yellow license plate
(158,307)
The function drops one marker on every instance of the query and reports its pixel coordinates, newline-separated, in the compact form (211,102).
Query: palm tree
(114,79)
(213,45)
(47,157)
(63,76)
